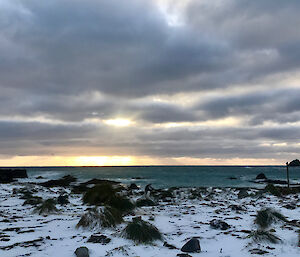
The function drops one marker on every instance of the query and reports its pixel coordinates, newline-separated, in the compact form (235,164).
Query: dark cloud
(70,61)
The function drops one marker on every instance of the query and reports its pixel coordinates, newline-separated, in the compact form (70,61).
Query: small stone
(100,239)
(171,247)
(82,252)
(219,224)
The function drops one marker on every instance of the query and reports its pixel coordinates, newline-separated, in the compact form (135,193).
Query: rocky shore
(67,217)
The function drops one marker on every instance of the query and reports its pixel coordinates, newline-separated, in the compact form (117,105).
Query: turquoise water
(168,176)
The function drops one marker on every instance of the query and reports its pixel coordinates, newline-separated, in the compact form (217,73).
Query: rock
(219,224)
(192,246)
(232,178)
(261,176)
(82,252)
(96,181)
(133,186)
(62,182)
(99,239)
(39,177)
(8,175)
(243,193)
(236,208)
(294,163)
(62,200)
(145,202)
(183,255)
(290,206)
(171,247)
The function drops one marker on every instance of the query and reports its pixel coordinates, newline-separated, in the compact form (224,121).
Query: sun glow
(118,122)
(103,161)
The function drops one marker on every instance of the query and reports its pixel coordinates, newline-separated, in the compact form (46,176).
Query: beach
(180,214)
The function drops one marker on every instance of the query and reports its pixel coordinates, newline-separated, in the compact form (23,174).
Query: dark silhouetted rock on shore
(294,163)
(8,175)
(261,176)
(62,182)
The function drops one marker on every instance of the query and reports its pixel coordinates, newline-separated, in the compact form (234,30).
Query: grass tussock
(261,236)
(270,188)
(267,217)
(141,231)
(105,217)
(47,207)
(99,194)
(105,194)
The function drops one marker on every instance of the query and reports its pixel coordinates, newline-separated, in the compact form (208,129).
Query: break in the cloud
(155,79)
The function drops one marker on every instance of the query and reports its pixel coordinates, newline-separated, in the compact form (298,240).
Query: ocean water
(168,176)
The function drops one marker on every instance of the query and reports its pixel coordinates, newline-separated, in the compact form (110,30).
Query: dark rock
(243,193)
(183,255)
(63,200)
(290,206)
(79,189)
(219,224)
(137,178)
(96,181)
(192,246)
(235,207)
(261,176)
(294,163)
(8,175)
(82,252)
(133,186)
(258,251)
(171,247)
(99,239)
(144,202)
(39,177)
(232,178)
(62,182)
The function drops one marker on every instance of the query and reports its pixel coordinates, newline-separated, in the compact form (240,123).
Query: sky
(149,82)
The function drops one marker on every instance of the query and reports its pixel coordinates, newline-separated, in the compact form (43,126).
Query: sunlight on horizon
(103,161)
(127,161)
(118,122)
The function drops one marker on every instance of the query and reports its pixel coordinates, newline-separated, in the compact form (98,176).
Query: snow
(178,220)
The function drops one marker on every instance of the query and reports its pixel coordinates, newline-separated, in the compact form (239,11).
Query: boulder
(294,163)
(82,252)
(8,175)
(99,239)
(261,176)
(133,186)
(219,224)
(192,246)
(243,193)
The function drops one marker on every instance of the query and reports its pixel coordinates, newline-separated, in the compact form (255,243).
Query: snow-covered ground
(179,219)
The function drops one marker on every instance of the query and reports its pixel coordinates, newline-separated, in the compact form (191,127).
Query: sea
(172,176)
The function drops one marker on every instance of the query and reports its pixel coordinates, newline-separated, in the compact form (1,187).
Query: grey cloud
(55,56)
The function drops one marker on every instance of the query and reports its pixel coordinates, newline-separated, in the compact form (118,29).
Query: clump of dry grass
(100,217)
(141,231)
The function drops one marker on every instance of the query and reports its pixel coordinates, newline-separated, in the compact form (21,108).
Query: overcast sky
(149,82)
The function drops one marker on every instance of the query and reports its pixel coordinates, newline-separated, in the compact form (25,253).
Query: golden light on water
(118,122)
